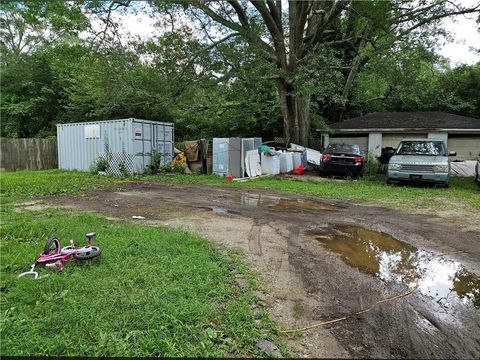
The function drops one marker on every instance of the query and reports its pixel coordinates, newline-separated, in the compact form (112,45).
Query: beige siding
(361,141)
(467,147)
(392,140)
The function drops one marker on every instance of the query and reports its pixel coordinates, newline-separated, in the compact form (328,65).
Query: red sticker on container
(138,132)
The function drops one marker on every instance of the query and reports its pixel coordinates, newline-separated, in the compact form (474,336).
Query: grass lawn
(22,184)
(152,292)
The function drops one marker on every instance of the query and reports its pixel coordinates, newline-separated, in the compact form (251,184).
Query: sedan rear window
(434,148)
(342,149)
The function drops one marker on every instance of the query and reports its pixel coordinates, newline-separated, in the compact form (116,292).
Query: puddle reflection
(282,204)
(389,259)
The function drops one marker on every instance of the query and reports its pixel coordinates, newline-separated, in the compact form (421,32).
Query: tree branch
(322,25)
(242,16)
(252,39)
(438,17)
(275,32)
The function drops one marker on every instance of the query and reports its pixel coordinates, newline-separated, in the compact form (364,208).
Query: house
(373,132)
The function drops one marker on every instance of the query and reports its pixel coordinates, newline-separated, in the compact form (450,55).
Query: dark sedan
(342,159)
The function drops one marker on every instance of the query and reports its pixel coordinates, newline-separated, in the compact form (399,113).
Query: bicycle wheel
(52,246)
(86,254)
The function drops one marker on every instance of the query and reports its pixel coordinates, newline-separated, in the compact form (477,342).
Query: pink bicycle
(54,255)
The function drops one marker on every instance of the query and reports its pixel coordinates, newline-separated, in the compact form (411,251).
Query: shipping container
(127,145)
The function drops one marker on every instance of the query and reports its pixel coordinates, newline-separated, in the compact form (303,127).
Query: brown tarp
(192,150)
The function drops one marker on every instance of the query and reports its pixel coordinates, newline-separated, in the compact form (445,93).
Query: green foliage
(123,169)
(412,80)
(177,169)
(155,163)
(30,97)
(99,165)
(52,76)
(27,25)
(372,166)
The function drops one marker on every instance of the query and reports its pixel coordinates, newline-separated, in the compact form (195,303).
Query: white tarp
(463,168)
(313,156)
(252,163)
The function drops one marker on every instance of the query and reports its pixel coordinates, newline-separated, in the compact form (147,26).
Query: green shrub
(372,166)
(155,165)
(177,169)
(99,164)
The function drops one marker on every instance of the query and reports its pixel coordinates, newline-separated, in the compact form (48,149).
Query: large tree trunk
(296,115)
(302,114)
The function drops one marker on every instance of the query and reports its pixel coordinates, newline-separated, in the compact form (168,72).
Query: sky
(465,35)
(463,29)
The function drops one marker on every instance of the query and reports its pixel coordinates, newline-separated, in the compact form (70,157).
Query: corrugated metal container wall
(126,144)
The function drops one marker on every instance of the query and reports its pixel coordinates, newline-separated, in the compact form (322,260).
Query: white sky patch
(466,38)
(139,25)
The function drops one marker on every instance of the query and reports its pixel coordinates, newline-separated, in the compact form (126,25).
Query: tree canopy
(224,68)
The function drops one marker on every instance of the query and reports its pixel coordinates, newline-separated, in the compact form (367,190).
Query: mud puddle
(280,203)
(446,281)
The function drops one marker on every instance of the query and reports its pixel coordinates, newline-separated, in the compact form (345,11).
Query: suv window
(434,148)
(342,148)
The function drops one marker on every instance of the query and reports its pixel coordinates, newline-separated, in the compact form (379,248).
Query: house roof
(428,120)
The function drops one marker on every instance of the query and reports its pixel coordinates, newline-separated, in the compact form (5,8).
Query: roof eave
(396,130)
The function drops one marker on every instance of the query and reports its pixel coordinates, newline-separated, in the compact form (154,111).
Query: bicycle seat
(91,235)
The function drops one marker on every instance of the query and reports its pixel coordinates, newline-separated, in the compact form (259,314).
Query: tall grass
(152,292)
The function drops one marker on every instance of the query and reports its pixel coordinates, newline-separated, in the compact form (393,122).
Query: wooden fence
(28,154)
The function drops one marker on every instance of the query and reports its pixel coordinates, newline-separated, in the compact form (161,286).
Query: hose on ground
(352,315)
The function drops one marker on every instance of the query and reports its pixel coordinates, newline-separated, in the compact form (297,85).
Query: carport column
(325,140)
(375,144)
(439,135)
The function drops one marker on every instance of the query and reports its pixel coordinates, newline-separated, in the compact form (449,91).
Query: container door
(163,140)
(142,145)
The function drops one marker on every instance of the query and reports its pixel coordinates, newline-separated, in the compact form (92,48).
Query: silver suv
(422,160)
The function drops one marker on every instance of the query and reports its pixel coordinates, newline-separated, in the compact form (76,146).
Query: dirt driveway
(322,259)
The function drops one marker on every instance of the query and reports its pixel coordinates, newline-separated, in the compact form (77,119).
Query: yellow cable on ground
(357,313)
